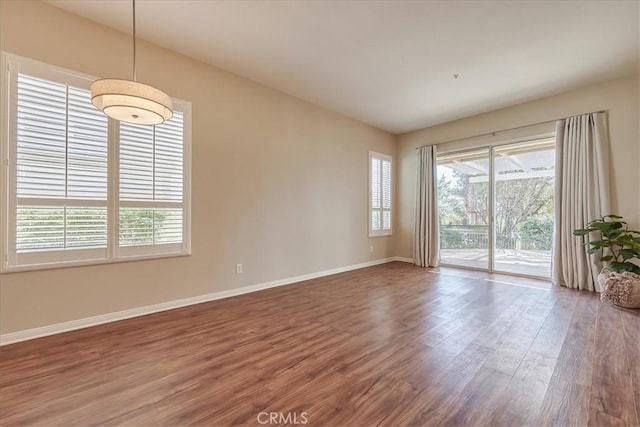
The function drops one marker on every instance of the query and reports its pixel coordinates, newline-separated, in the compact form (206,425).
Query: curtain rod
(505,130)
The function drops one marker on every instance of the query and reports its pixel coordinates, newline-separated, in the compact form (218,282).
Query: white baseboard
(72,325)
(403,259)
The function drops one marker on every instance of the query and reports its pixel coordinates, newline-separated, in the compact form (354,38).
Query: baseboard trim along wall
(87,322)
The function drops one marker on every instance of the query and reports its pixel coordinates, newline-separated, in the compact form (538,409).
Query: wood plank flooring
(388,345)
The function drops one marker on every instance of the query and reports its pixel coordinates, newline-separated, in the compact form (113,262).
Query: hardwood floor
(387,345)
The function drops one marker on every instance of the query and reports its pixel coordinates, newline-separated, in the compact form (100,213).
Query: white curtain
(582,194)
(426,251)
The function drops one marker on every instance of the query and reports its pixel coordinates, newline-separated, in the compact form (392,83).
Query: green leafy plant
(619,245)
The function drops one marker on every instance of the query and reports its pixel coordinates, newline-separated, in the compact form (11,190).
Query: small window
(83,188)
(380,219)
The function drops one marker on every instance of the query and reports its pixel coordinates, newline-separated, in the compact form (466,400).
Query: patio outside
(533,262)
(523,208)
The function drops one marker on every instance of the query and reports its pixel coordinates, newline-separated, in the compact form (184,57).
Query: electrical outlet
(371,249)
(238,268)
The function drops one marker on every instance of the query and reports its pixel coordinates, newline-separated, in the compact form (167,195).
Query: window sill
(88,262)
(386,234)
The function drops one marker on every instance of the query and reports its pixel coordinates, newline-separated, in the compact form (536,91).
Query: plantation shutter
(61,163)
(41,148)
(386,194)
(80,188)
(376,195)
(152,183)
(379,194)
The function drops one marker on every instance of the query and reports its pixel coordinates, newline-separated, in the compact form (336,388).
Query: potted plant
(620,252)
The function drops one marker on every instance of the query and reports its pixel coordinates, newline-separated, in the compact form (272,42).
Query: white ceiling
(391,63)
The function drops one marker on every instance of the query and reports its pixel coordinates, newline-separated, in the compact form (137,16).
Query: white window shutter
(169,159)
(64,189)
(41,138)
(386,194)
(380,197)
(136,162)
(87,148)
(61,155)
(151,184)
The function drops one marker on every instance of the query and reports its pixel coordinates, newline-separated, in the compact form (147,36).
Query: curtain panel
(426,251)
(582,194)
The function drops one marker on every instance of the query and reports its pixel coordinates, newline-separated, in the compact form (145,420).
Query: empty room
(325,213)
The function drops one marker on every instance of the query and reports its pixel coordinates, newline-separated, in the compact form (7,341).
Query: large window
(82,188)
(379,194)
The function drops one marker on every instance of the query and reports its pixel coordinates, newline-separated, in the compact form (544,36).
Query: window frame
(529,134)
(10,260)
(382,232)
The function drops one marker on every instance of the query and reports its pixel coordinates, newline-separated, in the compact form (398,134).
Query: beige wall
(620,97)
(278,184)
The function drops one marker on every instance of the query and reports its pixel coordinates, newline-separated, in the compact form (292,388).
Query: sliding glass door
(463,203)
(524,184)
(496,207)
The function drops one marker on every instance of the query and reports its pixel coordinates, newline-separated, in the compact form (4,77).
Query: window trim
(113,253)
(381,232)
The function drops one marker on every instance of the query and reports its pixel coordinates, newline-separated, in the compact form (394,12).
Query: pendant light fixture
(129,100)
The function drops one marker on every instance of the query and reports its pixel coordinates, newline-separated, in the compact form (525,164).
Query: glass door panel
(463,203)
(524,186)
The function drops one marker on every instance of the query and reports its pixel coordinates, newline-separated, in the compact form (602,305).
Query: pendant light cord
(134,40)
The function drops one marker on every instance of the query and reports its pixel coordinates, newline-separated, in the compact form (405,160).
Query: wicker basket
(621,289)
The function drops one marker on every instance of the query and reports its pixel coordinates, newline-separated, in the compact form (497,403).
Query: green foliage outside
(136,226)
(537,233)
(524,213)
(44,228)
